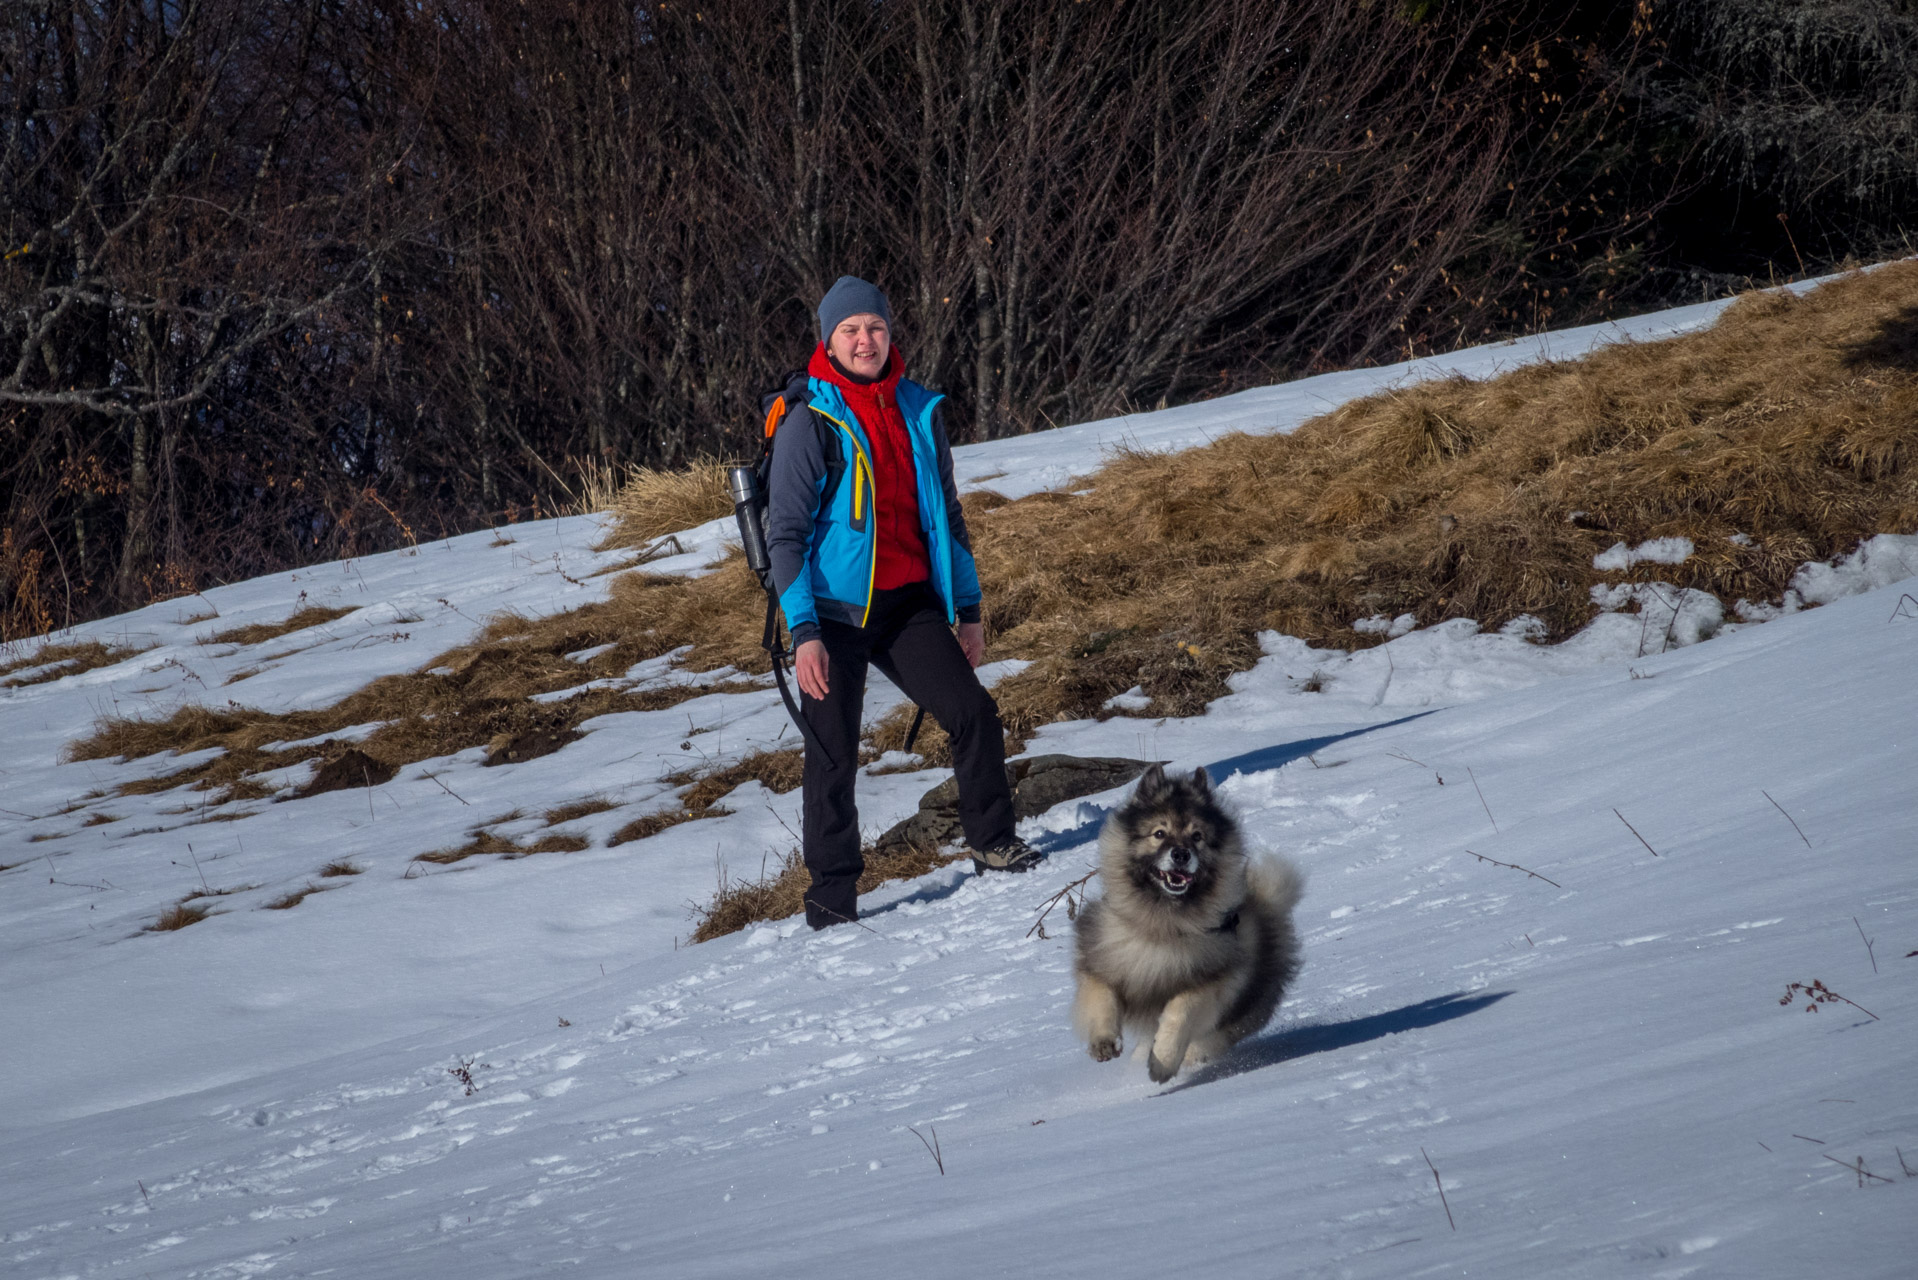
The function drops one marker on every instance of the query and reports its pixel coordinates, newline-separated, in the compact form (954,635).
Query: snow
(1878,562)
(1618,557)
(1587,1043)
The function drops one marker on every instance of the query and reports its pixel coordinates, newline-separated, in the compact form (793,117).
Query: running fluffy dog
(1192,944)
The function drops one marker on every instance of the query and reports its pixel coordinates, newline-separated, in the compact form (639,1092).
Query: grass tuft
(340,867)
(651,504)
(653,823)
(52,662)
(780,892)
(293,898)
(585,807)
(483,841)
(256,633)
(778,771)
(178,916)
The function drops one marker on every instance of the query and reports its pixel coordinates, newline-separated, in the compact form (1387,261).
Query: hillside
(1593,1056)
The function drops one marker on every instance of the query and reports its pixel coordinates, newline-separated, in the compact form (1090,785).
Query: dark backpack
(795,387)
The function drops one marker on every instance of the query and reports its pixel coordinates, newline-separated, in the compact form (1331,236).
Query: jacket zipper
(872,530)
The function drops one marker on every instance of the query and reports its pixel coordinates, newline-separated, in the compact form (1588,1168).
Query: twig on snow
(932,1148)
(1822,994)
(1481,796)
(1899,610)
(1908,1171)
(197,871)
(1859,1169)
(1441,1188)
(448,790)
(1634,830)
(1788,817)
(1514,866)
(1867,941)
(1072,908)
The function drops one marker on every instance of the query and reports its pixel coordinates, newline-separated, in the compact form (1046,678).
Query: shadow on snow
(1274,1047)
(1284,753)
(1262,760)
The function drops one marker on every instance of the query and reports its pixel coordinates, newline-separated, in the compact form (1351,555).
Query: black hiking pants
(907,637)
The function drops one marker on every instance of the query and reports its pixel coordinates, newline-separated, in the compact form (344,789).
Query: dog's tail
(1276,882)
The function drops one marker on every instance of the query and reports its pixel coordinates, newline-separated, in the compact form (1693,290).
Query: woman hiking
(873,566)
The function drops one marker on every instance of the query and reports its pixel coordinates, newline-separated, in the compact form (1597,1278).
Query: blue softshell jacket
(824,556)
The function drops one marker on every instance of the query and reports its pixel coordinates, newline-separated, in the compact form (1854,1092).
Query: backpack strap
(794,393)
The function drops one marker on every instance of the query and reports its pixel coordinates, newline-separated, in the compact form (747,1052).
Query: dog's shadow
(1274,1047)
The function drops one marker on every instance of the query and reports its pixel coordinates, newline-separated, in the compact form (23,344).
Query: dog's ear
(1152,783)
(1202,782)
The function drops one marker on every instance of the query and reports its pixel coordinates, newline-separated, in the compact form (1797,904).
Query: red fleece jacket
(895,505)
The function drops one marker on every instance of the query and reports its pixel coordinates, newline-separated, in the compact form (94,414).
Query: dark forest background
(287,280)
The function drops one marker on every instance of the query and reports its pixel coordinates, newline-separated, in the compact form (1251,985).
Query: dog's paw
(1103,1050)
(1159,1071)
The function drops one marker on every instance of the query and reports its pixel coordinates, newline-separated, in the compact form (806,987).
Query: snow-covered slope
(1593,1057)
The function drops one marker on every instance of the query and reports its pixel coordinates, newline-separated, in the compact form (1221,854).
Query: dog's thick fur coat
(1192,944)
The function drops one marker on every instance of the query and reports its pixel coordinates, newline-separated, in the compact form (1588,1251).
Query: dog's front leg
(1096,1016)
(1188,1014)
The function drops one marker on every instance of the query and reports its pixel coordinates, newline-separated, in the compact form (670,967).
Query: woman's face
(861,344)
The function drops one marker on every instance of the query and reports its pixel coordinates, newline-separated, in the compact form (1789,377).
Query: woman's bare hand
(972,639)
(810,664)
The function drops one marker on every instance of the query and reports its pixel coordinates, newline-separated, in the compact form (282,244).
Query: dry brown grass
(1793,420)
(483,841)
(293,898)
(651,504)
(584,807)
(178,916)
(482,700)
(780,891)
(100,819)
(653,823)
(62,660)
(780,771)
(339,867)
(311,616)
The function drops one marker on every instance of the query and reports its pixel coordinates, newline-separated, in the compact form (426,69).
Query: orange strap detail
(775,415)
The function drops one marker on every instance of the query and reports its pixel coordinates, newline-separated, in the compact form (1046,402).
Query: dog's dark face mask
(1172,828)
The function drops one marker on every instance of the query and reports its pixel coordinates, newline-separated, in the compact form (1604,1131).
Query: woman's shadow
(1275,1047)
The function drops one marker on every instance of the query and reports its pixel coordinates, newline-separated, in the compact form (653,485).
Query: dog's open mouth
(1173,882)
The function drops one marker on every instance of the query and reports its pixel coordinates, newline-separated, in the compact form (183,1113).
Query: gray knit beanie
(851,296)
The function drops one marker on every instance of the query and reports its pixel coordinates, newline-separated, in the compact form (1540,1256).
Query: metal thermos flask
(743,482)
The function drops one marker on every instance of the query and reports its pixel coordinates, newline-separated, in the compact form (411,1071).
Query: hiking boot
(1011,854)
